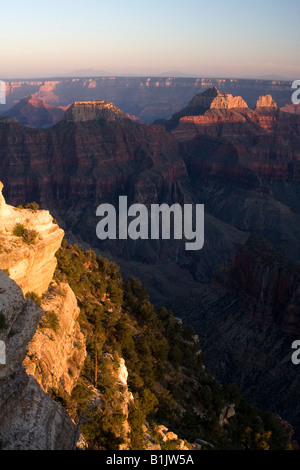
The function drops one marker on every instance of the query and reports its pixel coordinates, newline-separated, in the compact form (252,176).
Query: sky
(211,38)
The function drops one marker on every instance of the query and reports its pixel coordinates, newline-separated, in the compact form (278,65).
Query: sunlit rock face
(266,101)
(39,356)
(30,264)
(94,110)
(30,419)
(56,356)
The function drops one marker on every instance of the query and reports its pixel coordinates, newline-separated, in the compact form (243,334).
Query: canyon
(247,319)
(147,98)
(242,163)
(48,354)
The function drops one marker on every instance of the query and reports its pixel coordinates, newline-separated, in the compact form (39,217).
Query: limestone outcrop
(227,101)
(124,396)
(44,347)
(266,102)
(31,261)
(57,352)
(29,419)
(210,99)
(94,110)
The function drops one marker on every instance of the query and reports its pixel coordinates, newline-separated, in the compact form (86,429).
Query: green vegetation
(33,206)
(50,320)
(19,230)
(170,445)
(36,299)
(30,205)
(166,372)
(28,236)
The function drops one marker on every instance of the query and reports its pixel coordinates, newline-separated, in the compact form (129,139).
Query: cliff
(29,241)
(235,157)
(253,305)
(269,278)
(35,112)
(266,102)
(46,350)
(219,115)
(29,419)
(94,110)
(44,346)
(162,364)
(57,351)
(148,98)
(209,99)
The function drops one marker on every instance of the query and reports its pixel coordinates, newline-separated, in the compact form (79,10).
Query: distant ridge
(148,98)
(35,112)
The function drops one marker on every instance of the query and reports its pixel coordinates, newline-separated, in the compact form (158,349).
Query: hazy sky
(206,38)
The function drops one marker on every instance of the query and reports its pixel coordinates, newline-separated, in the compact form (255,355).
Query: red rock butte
(94,110)
(266,102)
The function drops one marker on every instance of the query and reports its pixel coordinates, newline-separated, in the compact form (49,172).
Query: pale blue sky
(207,38)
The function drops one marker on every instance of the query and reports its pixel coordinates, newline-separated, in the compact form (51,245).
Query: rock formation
(210,99)
(31,262)
(247,320)
(219,115)
(243,164)
(56,355)
(148,98)
(291,108)
(228,102)
(29,419)
(124,397)
(265,102)
(78,164)
(34,112)
(94,110)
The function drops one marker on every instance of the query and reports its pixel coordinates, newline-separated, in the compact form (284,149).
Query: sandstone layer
(44,347)
(31,265)
(94,110)
(148,98)
(266,102)
(29,419)
(56,355)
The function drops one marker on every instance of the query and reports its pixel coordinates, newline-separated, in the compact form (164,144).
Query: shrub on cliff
(28,236)
(33,206)
(50,320)
(19,230)
(36,299)
(30,205)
